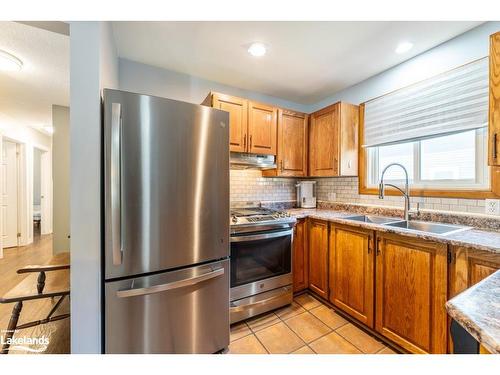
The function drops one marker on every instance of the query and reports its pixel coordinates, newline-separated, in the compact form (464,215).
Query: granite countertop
(477,310)
(472,238)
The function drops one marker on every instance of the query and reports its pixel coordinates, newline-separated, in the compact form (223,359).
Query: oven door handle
(262,236)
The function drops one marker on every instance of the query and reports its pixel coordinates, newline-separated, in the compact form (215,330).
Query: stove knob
(234,219)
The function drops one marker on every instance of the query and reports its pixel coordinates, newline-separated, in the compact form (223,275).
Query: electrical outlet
(492,206)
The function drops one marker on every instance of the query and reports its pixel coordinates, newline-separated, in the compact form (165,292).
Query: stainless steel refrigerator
(166,216)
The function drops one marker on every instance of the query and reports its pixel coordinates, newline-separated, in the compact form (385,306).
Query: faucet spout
(405,192)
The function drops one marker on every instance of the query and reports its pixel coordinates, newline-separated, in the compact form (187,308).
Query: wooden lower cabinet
(351,271)
(467,268)
(411,292)
(318,257)
(300,256)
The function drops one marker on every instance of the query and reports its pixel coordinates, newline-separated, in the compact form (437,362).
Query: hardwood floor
(58,333)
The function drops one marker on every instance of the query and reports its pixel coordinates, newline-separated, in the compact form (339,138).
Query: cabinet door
(351,271)
(300,257)
(292,143)
(238,119)
(468,267)
(411,286)
(324,142)
(349,127)
(494,115)
(318,257)
(262,128)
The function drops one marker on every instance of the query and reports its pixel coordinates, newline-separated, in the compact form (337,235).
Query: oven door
(260,261)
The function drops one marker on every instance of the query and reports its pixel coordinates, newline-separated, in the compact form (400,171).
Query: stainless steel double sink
(419,226)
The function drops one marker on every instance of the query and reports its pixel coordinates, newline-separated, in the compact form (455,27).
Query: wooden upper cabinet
(238,116)
(300,256)
(262,128)
(411,292)
(293,133)
(494,106)
(318,257)
(323,142)
(352,263)
(333,141)
(292,143)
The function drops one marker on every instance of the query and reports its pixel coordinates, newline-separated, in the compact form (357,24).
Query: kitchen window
(448,162)
(436,128)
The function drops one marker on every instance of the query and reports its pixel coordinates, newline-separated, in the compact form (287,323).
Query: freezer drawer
(183,311)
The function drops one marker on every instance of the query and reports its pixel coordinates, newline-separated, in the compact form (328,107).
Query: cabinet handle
(370,244)
(281,165)
(250,145)
(378,246)
(495,145)
(244,142)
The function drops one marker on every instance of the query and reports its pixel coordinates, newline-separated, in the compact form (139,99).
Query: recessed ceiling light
(404,47)
(9,62)
(48,129)
(257,49)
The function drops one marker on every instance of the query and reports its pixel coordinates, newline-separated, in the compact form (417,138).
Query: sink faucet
(405,192)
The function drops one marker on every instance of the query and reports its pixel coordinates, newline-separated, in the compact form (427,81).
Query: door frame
(45,190)
(25,189)
(19,151)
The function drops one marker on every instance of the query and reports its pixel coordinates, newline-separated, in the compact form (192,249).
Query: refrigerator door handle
(115,185)
(170,286)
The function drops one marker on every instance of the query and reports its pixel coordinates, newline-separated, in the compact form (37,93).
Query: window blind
(448,103)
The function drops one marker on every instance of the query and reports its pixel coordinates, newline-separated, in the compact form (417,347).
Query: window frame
(470,193)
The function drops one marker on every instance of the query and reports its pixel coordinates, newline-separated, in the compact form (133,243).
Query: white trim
(25,195)
(46,190)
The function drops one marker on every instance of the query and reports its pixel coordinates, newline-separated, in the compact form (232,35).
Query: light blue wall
(147,79)
(460,50)
(93,66)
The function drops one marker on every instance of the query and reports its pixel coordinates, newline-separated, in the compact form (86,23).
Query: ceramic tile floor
(307,326)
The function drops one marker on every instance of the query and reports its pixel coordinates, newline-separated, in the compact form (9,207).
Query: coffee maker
(306,194)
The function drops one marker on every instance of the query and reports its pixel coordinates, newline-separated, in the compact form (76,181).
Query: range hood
(241,160)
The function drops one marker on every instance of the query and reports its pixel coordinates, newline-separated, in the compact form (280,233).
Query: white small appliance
(306,194)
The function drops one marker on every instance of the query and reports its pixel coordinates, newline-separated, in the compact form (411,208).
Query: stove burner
(249,215)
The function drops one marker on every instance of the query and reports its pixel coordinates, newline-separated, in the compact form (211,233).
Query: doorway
(10,194)
(37,193)
(42,183)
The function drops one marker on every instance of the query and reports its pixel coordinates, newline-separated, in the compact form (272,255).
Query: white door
(10,217)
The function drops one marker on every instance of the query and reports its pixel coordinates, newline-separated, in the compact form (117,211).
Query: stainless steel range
(261,260)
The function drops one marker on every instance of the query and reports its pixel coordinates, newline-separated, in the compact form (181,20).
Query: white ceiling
(26,96)
(306,61)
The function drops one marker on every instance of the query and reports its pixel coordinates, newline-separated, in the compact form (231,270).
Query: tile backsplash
(345,190)
(249,185)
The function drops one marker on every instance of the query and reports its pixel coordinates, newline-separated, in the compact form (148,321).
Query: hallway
(39,252)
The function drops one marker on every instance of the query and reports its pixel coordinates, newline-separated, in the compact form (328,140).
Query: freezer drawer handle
(170,286)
